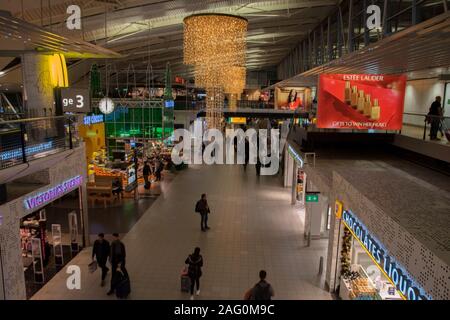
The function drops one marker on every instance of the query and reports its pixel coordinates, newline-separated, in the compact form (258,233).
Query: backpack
(197,206)
(262,291)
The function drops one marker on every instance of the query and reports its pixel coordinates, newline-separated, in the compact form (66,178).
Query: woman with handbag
(195,262)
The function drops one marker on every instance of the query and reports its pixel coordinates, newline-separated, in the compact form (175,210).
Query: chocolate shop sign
(392,269)
(53,193)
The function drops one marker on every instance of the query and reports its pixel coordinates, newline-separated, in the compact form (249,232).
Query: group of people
(115,253)
(261,291)
(153,167)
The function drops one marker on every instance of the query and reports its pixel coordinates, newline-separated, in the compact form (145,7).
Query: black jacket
(146,170)
(262,291)
(118,253)
(101,251)
(435,109)
(195,266)
(202,206)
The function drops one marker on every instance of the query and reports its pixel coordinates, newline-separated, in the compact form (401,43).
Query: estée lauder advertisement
(361,101)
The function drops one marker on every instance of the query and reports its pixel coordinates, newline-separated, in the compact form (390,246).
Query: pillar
(37,85)
(82,193)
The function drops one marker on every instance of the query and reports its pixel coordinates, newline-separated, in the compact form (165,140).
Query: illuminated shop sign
(238,120)
(295,155)
(53,193)
(391,268)
(92,119)
(169,103)
(17,153)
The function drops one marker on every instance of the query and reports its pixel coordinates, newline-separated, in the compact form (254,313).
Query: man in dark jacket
(262,290)
(435,114)
(101,253)
(118,255)
(203,208)
(146,172)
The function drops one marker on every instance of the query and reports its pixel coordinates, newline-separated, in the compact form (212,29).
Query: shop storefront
(41,230)
(50,237)
(366,270)
(294,175)
(312,205)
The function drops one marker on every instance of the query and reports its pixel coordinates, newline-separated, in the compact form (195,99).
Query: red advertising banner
(361,101)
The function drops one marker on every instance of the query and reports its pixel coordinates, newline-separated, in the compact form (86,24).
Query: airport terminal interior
(225,150)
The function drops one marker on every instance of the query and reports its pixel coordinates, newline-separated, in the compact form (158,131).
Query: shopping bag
(185,280)
(92,266)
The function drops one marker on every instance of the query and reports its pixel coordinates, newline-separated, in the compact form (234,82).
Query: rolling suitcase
(123,288)
(185,281)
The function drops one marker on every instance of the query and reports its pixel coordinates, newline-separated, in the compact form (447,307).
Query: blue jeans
(204,222)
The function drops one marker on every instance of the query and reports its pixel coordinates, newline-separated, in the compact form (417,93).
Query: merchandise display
(300,185)
(356,282)
(31,228)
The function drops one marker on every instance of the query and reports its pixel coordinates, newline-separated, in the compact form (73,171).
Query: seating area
(102,190)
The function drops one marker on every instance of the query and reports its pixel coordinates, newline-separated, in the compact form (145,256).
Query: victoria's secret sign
(53,193)
(392,269)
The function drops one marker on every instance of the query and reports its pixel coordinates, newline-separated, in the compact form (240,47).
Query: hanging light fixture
(215,45)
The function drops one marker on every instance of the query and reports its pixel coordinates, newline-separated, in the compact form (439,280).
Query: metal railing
(425,127)
(253,104)
(25,140)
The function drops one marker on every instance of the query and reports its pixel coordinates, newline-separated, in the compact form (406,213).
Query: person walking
(146,171)
(117,258)
(158,169)
(262,290)
(195,264)
(434,118)
(202,207)
(100,253)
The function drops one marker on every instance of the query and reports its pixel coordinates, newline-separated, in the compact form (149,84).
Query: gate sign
(75,100)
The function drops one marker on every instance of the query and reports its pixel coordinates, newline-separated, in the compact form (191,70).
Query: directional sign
(312,197)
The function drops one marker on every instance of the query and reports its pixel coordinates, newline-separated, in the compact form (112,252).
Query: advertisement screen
(291,98)
(361,101)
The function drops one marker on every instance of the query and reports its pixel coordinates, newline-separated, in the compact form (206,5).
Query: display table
(361,288)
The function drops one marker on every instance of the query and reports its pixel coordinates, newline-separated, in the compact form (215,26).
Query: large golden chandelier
(214,44)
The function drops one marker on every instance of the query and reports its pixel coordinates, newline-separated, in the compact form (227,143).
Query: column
(37,85)
(84,214)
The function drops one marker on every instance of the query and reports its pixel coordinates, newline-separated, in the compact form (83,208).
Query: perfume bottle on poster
(347,92)
(361,101)
(367,106)
(375,113)
(354,97)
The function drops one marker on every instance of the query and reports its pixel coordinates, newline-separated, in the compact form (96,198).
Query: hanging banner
(361,101)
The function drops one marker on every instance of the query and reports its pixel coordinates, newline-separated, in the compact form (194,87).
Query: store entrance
(361,277)
(50,238)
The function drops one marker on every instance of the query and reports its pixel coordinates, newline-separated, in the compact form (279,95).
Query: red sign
(361,101)
(179,80)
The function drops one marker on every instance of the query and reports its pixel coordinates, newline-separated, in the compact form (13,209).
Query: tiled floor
(253,227)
